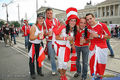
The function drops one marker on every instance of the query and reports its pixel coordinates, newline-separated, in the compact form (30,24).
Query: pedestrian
(3,30)
(13,33)
(7,34)
(0,34)
(36,36)
(119,31)
(108,42)
(112,32)
(116,31)
(98,47)
(81,45)
(50,22)
(26,30)
(64,40)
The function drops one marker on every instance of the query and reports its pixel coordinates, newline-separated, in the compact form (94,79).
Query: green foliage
(16,23)
(2,23)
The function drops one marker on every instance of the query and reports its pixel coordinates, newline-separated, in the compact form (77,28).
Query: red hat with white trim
(72,14)
(25,21)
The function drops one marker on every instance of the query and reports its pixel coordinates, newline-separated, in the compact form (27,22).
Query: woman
(81,45)
(64,40)
(36,36)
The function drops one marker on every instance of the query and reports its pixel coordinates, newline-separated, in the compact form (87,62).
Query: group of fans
(78,36)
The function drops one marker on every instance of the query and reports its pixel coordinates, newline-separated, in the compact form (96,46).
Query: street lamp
(6,5)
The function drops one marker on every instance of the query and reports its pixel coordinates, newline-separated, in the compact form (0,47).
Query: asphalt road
(14,63)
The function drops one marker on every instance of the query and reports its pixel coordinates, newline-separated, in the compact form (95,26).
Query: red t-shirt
(26,30)
(100,29)
(78,36)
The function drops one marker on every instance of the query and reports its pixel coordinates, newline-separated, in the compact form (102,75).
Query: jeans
(26,41)
(119,35)
(13,36)
(109,47)
(85,53)
(7,37)
(51,53)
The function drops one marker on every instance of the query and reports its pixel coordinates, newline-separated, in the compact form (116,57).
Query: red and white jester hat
(72,14)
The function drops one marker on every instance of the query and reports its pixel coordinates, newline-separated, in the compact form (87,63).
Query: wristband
(101,36)
(98,36)
(64,38)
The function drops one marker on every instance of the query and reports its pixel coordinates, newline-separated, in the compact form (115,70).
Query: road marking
(23,53)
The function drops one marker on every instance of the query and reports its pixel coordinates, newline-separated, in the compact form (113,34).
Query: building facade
(108,10)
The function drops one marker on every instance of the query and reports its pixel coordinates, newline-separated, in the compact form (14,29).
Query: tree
(2,23)
(16,23)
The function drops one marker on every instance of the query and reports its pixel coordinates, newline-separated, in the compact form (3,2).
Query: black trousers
(31,64)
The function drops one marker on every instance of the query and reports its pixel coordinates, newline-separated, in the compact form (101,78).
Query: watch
(98,36)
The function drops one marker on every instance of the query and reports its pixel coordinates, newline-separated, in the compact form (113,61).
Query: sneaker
(33,76)
(111,55)
(76,74)
(53,73)
(41,74)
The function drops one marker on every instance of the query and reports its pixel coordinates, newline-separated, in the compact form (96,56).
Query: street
(14,63)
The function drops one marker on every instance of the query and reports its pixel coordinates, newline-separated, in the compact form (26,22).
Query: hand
(93,35)
(41,35)
(70,38)
(73,47)
(82,41)
(50,33)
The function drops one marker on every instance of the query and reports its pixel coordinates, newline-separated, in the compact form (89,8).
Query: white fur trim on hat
(72,13)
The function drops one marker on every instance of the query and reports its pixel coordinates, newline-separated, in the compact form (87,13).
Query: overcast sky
(28,7)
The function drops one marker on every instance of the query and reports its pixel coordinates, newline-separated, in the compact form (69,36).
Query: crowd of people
(8,32)
(84,35)
(115,31)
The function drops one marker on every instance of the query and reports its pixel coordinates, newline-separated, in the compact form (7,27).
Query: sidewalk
(113,64)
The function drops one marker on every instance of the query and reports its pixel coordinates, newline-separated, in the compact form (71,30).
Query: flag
(41,56)
(98,60)
(67,51)
(73,61)
(32,52)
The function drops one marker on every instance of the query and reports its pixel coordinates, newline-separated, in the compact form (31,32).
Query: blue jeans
(52,54)
(119,35)
(85,53)
(109,47)
(13,36)
(26,41)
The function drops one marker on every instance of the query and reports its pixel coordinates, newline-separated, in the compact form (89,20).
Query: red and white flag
(41,56)
(67,51)
(98,60)
(32,52)
(73,61)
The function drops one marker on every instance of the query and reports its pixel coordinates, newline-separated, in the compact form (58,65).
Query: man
(13,33)
(7,34)
(108,43)
(26,31)
(50,22)
(98,47)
